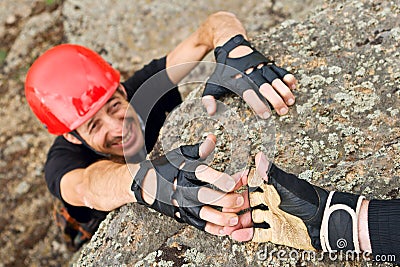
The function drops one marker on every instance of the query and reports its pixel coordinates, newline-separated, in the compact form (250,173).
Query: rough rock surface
(28,235)
(343,133)
(133,33)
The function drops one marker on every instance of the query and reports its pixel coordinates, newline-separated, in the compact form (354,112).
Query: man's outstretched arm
(176,184)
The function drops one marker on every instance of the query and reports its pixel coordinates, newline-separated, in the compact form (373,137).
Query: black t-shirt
(64,156)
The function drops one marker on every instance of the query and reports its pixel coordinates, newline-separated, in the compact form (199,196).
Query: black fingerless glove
(224,78)
(177,166)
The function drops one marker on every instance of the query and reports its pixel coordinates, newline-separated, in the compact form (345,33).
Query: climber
(79,97)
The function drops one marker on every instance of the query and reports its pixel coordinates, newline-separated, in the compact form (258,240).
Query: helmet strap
(76,135)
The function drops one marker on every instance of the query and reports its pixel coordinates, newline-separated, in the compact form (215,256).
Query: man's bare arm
(214,31)
(106,185)
(103,185)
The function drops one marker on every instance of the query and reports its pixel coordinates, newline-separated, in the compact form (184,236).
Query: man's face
(115,128)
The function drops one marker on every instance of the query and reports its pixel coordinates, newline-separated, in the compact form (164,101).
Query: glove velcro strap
(232,43)
(136,186)
(339,228)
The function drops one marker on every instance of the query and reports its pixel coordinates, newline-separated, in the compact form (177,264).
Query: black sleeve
(384,229)
(62,158)
(152,95)
(156,70)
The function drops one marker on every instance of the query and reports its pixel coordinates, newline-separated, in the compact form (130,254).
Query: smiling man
(78,96)
(103,131)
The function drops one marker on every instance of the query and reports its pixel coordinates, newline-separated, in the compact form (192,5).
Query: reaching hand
(183,189)
(289,211)
(252,76)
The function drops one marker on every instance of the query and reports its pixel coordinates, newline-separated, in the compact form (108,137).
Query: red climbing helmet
(67,85)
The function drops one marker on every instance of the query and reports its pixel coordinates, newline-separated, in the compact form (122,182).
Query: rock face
(343,134)
(131,34)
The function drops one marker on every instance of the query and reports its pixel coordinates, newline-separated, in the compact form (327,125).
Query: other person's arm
(290,211)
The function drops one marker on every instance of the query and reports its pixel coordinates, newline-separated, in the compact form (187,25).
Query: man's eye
(94,125)
(116,104)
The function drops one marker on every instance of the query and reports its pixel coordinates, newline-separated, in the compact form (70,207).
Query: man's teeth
(126,137)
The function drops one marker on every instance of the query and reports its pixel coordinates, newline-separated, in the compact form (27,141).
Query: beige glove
(290,211)
(285,229)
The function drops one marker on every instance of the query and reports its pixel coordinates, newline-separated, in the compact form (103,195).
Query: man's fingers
(241,178)
(210,104)
(256,104)
(274,98)
(245,205)
(241,235)
(217,198)
(208,146)
(290,81)
(221,180)
(244,222)
(214,229)
(214,216)
(262,165)
(284,91)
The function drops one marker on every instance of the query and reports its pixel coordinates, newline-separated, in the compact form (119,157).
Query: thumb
(212,90)
(262,165)
(210,104)
(208,146)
